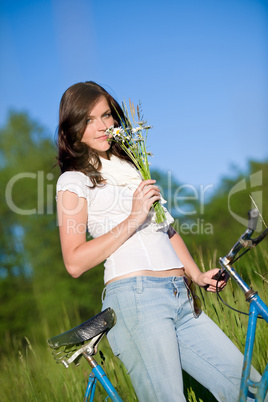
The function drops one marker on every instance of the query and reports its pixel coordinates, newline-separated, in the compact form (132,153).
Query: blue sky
(199,67)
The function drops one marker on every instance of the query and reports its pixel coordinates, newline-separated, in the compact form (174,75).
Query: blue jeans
(156,336)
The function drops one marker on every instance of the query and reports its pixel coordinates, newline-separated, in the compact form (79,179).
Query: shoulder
(76,182)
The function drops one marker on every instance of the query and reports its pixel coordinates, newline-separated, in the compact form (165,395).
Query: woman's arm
(80,255)
(191,269)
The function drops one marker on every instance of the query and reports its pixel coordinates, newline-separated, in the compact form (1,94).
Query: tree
(227,211)
(33,281)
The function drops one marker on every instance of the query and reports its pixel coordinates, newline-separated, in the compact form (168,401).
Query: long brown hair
(76,103)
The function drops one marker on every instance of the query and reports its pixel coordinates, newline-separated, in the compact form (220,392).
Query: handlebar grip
(218,276)
(253,215)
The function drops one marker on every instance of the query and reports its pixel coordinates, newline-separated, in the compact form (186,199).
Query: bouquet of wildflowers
(133,140)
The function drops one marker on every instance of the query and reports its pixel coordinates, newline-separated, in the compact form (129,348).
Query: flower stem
(159,211)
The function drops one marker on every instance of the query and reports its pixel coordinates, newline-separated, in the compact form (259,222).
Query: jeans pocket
(125,304)
(128,309)
(111,336)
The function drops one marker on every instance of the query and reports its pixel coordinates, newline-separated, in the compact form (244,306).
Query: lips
(102,137)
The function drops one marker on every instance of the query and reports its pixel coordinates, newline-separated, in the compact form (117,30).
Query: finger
(218,286)
(142,187)
(151,190)
(153,199)
(145,183)
(221,285)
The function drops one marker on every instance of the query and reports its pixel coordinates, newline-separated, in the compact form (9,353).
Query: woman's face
(98,120)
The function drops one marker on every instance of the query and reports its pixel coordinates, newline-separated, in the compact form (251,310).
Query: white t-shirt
(108,205)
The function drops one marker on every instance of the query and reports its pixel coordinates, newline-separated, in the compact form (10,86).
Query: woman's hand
(143,198)
(205,279)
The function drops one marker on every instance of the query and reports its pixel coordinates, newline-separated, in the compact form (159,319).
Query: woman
(157,331)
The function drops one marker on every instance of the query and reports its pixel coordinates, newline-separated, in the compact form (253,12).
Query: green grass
(29,372)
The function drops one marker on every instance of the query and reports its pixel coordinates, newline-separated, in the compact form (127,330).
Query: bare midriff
(157,274)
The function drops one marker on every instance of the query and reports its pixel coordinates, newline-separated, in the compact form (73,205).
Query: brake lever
(259,238)
(219,276)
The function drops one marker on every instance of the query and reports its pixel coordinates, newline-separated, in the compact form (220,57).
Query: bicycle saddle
(99,324)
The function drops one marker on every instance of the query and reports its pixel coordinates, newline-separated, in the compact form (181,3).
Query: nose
(101,125)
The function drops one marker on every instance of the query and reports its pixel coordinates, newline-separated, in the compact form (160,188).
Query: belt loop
(103,294)
(139,287)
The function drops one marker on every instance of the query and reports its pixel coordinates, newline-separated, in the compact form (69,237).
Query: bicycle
(83,340)
(258,309)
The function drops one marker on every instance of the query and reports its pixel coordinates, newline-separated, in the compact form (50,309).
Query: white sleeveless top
(149,248)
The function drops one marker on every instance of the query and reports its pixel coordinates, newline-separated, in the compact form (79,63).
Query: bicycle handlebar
(245,240)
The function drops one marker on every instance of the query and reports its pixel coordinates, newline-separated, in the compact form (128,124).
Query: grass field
(29,373)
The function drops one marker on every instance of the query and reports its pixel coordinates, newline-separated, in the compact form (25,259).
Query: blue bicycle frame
(257,308)
(98,374)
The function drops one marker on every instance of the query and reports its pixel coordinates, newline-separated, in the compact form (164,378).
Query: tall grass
(29,373)
(253,268)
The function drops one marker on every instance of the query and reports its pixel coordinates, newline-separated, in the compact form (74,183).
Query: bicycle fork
(256,306)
